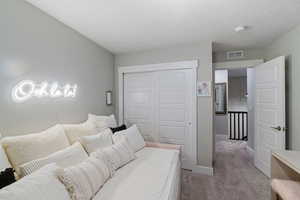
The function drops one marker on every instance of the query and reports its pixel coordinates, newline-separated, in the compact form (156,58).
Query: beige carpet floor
(235,177)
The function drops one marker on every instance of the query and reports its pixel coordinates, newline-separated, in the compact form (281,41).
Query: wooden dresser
(285,165)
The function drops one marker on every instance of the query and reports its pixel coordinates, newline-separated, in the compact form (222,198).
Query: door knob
(278,128)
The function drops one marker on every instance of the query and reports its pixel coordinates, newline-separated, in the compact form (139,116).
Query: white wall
(221,121)
(201,52)
(35,46)
(221,76)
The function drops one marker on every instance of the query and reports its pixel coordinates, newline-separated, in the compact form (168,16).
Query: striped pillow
(118,154)
(84,180)
(64,158)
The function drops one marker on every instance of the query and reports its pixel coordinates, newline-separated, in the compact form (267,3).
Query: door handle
(278,128)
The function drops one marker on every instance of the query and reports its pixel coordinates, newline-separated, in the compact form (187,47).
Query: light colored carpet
(235,177)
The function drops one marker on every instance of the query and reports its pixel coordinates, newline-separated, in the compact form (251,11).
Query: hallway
(235,177)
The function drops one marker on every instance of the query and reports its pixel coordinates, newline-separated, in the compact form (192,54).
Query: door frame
(238,64)
(192,64)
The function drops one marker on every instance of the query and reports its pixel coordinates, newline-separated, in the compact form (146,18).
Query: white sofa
(155,174)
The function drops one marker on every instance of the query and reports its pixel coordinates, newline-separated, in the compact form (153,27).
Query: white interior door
(269,111)
(160,103)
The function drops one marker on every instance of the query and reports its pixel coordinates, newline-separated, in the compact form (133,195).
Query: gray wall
(36,46)
(221,120)
(202,52)
(251,106)
(221,124)
(289,46)
(237,89)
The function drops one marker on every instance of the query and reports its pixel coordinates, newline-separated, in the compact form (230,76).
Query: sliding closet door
(160,104)
(173,118)
(139,98)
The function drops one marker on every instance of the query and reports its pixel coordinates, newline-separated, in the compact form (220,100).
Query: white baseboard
(221,137)
(203,170)
(250,150)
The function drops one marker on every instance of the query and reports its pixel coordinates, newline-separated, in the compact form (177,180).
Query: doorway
(233,105)
(256,114)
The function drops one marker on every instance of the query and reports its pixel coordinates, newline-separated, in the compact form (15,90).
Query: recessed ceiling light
(240,28)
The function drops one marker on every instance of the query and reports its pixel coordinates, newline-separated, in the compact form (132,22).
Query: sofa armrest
(163,145)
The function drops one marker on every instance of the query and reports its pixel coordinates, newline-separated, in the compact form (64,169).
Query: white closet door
(173,118)
(160,104)
(139,101)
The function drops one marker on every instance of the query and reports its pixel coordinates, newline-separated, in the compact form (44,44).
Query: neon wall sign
(29,89)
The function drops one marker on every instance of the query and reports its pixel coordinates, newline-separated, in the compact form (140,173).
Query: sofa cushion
(25,148)
(75,131)
(134,137)
(152,175)
(118,154)
(69,156)
(42,184)
(93,142)
(103,122)
(84,180)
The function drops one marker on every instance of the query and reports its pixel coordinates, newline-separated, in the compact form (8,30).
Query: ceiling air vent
(233,55)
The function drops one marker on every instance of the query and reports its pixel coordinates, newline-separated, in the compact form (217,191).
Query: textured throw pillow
(118,154)
(25,148)
(118,128)
(94,142)
(40,185)
(75,131)
(4,163)
(7,177)
(102,122)
(69,156)
(134,137)
(84,180)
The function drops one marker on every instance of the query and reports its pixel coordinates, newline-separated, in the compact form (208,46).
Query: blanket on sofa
(148,177)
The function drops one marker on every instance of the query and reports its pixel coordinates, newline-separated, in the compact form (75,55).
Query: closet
(161,103)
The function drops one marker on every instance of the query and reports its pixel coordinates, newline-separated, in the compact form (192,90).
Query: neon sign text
(28,89)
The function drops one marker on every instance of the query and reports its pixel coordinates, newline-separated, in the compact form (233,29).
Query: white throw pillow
(4,163)
(93,142)
(103,122)
(134,137)
(40,185)
(25,148)
(75,131)
(118,154)
(69,156)
(84,180)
